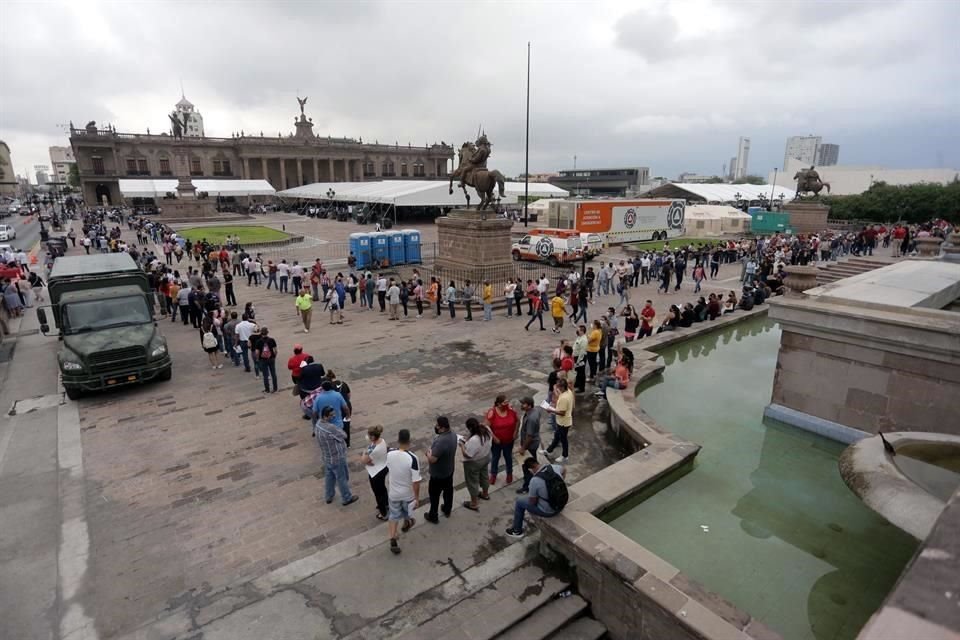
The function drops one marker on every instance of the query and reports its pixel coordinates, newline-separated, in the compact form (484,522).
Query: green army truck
(103,306)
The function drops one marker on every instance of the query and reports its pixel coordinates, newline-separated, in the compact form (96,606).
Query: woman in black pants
(374,459)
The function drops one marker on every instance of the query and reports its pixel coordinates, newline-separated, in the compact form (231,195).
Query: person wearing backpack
(548,494)
(267,357)
(208,340)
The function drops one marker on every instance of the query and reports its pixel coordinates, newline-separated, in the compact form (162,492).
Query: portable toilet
(379,246)
(395,240)
(360,248)
(411,246)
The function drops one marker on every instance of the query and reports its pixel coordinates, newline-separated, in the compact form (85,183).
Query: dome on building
(184,104)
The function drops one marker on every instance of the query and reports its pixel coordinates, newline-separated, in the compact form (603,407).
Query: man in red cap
(294,364)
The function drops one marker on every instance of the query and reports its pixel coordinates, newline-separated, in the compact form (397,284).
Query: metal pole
(526,169)
(774,186)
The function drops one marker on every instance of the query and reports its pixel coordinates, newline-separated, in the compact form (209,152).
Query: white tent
(536,190)
(400,193)
(159,188)
(705,220)
(717,193)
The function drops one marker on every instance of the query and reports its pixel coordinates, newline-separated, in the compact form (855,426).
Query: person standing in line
(382,291)
(488,301)
(433,293)
(714,263)
(580,359)
(475,451)
(647,314)
(228,292)
(536,307)
(468,300)
(330,397)
(230,338)
(563,410)
(403,488)
(374,459)
(295,365)
(645,269)
(272,275)
(283,272)
(304,305)
(311,377)
(451,299)
(508,296)
(698,277)
(529,440)
(267,357)
(393,299)
(418,296)
(406,290)
(330,439)
(296,278)
(333,304)
(503,423)
(343,389)
(665,272)
(588,279)
(442,458)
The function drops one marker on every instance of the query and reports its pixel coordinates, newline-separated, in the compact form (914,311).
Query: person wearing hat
(294,363)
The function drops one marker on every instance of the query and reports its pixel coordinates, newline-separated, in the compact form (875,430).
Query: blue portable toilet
(379,246)
(411,246)
(395,240)
(360,248)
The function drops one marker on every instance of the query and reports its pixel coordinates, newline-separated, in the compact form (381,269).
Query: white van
(7,232)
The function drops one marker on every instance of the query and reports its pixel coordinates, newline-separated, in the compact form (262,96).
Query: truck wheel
(73,393)
(554,262)
(165,375)
(516,256)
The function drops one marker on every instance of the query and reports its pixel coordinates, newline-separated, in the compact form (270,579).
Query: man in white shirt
(403,487)
(382,291)
(283,272)
(245,329)
(645,269)
(393,299)
(543,284)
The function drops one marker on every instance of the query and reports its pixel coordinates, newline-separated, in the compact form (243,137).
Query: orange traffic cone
(33,258)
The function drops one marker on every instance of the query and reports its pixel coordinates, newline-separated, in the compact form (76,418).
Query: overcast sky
(665,85)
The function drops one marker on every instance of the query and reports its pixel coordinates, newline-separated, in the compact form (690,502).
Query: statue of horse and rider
(808,181)
(472,170)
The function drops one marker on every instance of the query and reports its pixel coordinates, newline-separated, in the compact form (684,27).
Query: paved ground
(196,487)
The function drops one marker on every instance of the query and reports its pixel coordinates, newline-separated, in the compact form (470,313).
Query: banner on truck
(632,221)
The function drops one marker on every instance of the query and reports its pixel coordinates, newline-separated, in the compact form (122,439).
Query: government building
(104,156)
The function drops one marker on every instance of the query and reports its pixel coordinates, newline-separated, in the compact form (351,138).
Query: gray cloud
(666,85)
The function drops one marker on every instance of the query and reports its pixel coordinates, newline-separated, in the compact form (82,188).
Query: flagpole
(526,170)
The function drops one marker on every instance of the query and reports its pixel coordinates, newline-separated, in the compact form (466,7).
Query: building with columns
(104,156)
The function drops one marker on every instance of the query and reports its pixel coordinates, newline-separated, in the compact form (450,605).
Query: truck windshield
(111,312)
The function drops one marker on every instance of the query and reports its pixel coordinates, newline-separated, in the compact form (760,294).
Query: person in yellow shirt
(563,410)
(594,337)
(304,304)
(487,301)
(558,309)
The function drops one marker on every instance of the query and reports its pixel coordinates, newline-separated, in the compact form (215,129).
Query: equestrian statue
(473,171)
(808,181)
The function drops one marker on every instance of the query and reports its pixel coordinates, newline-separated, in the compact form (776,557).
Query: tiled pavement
(205,481)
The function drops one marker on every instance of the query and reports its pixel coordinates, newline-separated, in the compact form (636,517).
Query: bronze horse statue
(808,181)
(479,177)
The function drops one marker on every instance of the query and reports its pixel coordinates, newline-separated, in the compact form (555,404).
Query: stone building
(185,111)
(104,156)
(8,179)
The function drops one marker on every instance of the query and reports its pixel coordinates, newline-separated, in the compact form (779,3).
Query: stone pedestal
(799,278)
(807,217)
(304,128)
(928,246)
(469,239)
(951,250)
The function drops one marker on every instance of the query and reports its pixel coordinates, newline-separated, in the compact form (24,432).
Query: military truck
(103,306)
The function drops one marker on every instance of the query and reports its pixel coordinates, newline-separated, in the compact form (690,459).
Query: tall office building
(731,168)
(802,148)
(828,155)
(42,173)
(186,110)
(61,159)
(743,155)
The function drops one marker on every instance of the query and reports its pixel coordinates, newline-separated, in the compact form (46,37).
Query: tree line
(914,203)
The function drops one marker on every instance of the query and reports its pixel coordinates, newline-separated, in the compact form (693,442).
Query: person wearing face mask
(442,456)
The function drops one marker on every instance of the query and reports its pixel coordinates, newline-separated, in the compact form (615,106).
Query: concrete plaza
(201,498)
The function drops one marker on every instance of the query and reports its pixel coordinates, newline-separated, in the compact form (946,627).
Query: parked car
(7,232)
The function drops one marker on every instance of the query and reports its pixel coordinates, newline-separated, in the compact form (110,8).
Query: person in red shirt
(295,361)
(566,362)
(504,423)
(647,314)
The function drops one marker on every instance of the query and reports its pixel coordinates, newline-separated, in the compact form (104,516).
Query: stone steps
(546,621)
(852,266)
(581,629)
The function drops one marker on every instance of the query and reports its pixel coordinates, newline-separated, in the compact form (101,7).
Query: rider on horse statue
(808,180)
(473,171)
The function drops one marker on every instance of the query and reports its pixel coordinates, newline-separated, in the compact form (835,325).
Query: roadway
(28,231)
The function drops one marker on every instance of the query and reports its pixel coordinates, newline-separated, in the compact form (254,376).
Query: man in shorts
(403,487)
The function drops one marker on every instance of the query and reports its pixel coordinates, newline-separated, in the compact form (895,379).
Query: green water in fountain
(763,519)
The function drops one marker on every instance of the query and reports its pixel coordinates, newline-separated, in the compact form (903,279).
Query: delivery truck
(103,306)
(619,220)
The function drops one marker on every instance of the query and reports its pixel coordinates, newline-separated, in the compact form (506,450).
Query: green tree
(74,178)
(750,180)
(909,203)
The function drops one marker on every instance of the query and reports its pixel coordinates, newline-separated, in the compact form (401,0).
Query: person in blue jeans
(537,502)
(333,445)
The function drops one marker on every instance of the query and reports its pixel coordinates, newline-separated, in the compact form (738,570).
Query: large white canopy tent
(410,193)
(718,193)
(226,188)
